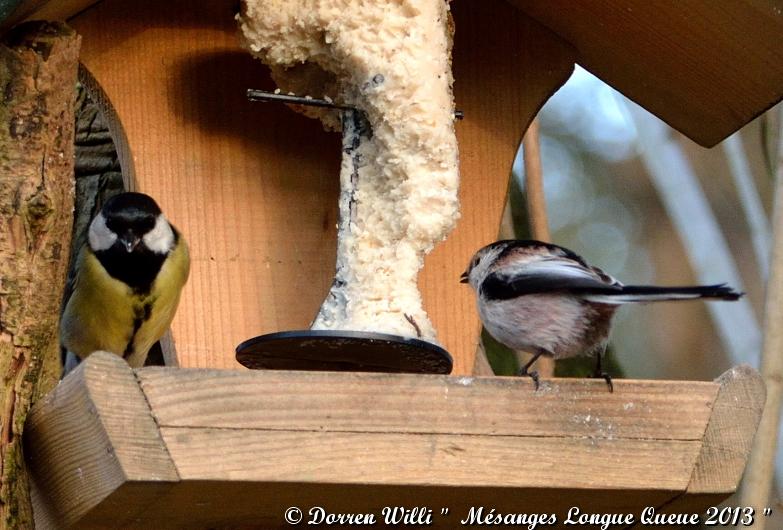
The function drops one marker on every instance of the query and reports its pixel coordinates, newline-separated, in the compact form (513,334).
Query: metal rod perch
(292,99)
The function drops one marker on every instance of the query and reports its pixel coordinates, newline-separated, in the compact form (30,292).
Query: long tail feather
(651,293)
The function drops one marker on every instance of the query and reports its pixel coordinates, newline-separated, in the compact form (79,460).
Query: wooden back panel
(254,187)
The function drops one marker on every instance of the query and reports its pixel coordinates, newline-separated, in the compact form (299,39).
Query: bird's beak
(463,278)
(130,241)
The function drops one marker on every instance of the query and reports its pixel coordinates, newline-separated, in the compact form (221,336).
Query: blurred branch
(536,208)
(507,230)
(764,127)
(750,201)
(706,247)
(758,480)
(534,184)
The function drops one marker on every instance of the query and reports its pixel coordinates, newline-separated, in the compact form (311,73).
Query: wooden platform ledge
(164,447)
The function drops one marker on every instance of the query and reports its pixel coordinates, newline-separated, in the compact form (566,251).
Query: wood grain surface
(254,186)
(706,68)
(726,448)
(171,448)
(95,424)
(496,406)
(445,460)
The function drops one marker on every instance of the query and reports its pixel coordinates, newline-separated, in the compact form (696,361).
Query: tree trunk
(38,66)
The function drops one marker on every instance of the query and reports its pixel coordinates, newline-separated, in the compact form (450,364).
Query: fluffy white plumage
(161,238)
(99,235)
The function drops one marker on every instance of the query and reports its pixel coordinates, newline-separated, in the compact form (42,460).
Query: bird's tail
(650,293)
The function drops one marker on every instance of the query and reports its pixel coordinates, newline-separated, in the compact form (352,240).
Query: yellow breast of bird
(104,313)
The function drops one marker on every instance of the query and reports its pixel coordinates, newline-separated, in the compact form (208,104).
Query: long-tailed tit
(544,299)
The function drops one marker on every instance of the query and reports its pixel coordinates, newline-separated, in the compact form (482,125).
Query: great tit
(127,282)
(545,299)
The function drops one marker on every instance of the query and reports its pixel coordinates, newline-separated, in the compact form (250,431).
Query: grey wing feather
(557,274)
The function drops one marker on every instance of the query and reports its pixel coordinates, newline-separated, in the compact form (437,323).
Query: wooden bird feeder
(255,191)
(164,447)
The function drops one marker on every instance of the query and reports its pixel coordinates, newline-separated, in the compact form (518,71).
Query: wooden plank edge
(494,406)
(430,460)
(730,431)
(727,443)
(87,438)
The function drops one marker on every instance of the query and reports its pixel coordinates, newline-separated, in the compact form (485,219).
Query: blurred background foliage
(603,203)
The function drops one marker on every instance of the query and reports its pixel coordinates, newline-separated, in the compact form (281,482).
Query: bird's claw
(606,377)
(533,375)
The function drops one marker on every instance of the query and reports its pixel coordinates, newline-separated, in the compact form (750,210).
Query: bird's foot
(606,377)
(533,375)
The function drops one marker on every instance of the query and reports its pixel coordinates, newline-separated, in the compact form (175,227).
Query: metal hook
(261,95)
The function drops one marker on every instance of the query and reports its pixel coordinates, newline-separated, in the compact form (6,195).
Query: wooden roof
(707,68)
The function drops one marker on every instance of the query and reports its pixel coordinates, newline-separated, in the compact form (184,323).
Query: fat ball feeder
(398,175)
(342,349)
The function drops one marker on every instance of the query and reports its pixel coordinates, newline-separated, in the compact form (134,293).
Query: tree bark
(38,67)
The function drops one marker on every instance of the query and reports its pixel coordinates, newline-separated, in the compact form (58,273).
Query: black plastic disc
(343,351)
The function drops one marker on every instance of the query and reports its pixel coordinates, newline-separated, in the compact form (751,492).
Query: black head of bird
(131,238)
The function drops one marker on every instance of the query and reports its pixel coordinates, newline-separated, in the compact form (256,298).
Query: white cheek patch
(99,236)
(161,238)
(482,268)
